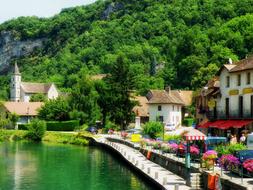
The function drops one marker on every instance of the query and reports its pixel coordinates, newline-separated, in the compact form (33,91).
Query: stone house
(22,91)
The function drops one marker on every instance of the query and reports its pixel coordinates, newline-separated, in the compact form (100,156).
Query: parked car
(243,155)
(170,127)
(92,129)
(133,131)
(212,142)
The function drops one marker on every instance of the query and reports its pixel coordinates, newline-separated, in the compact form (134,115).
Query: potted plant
(209,158)
(248,165)
(228,162)
(173,147)
(165,147)
(124,134)
(194,151)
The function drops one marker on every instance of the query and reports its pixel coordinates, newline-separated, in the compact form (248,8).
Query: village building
(22,91)
(167,105)
(25,110)
(230,106)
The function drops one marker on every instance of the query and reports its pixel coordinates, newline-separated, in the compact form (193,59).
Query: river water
(31,166)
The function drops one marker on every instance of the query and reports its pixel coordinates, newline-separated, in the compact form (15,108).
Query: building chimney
(168,89)
(230,61)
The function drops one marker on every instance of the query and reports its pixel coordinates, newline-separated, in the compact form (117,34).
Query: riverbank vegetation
(81,138)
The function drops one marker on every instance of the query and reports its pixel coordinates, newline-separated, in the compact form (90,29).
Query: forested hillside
(181,43)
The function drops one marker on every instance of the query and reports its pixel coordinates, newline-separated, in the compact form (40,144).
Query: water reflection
(26,166)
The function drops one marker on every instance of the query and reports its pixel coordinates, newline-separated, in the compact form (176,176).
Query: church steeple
(16,69)
(15,84)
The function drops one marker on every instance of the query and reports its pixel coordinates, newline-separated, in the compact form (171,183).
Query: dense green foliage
(152,129)
(229,149)
(66,138)
(38,98)
(36,130)
(191,39)
(57,109)
(63,126)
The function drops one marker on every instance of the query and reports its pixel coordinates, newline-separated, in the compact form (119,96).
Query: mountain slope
(179,43)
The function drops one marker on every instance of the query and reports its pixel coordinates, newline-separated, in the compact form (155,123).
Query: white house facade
(236,89)
(165,106)
(22,91)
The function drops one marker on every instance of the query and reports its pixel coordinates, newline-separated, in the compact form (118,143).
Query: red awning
(226,124)
(217,124)
(194,134)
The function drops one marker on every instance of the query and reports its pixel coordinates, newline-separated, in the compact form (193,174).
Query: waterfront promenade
(130,152)
(164,178)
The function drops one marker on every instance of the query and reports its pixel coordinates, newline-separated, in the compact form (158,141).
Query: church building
(22,91)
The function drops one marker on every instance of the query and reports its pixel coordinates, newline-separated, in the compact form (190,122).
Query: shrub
(229,149)
(172,137)
(62,125)
(152,129)
(188,122)
(36,130)
(23,126)
(109,125)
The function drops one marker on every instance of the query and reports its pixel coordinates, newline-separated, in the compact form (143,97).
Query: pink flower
(173,146)
(228,161)
(248,165)
(194,150)
(210,154)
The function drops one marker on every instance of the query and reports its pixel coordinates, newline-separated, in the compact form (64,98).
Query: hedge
(188,122)
(22,126)
(57,125)
(63,125)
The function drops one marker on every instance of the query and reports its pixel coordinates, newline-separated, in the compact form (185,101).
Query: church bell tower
(15,84)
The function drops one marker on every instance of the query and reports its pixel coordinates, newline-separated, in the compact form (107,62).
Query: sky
(10,9)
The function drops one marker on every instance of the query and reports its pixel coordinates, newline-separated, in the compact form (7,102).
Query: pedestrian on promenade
(233,139)
(243,139)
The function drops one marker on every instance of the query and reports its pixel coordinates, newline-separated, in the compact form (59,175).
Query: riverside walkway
(164,178)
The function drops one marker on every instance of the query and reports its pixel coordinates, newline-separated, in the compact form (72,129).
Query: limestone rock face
(11,47)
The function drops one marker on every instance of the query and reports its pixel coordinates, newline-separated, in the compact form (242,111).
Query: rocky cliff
(10,48)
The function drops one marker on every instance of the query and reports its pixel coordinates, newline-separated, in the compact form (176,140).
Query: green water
(27,166)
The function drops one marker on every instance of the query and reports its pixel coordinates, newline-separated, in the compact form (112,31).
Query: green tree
(57,109)
(120,83)
(36,130)
(84,99)
(14,119)
(38,98)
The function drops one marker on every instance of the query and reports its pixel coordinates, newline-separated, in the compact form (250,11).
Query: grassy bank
(52,137)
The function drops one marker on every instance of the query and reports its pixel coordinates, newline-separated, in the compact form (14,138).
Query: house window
(227,107)
(173,107)
(227,81)
(239,80)
(248,78)
(161,118)
(251,105)
(240,106)
(159,108)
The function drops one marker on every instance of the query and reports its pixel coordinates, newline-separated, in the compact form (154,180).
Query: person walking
(243,139)
(233,139)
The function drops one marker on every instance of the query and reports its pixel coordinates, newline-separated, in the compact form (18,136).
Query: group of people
(233,139)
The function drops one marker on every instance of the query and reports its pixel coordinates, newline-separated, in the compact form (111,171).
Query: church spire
(16,69)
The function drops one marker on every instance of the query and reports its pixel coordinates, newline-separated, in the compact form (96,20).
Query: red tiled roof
(164,97)
(23,108)
(29,87)
(244,64)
